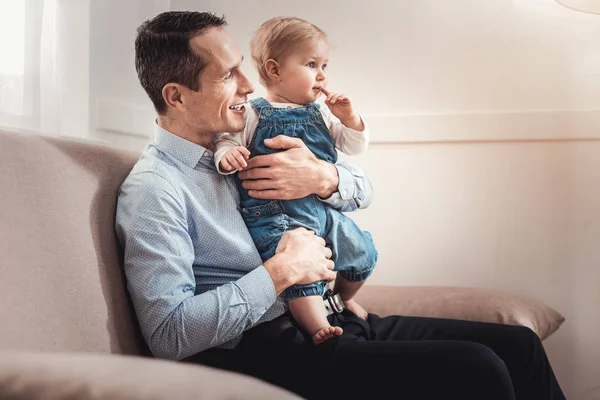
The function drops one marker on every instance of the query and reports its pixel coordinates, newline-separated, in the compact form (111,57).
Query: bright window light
(12,37)
(12,60)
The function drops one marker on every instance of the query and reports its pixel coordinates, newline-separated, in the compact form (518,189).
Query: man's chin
(237,126)
(237,122)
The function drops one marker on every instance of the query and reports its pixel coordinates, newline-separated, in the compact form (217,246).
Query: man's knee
(481,357)
(526,334)
(523,340)
(485,370)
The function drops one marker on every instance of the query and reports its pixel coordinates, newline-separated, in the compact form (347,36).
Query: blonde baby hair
(277,37)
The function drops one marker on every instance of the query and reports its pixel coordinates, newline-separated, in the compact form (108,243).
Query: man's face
(218,106)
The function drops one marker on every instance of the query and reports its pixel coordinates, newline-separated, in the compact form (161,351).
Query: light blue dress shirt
(193,272)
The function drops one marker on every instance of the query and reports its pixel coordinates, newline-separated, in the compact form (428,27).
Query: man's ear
(172,94)
(273,70)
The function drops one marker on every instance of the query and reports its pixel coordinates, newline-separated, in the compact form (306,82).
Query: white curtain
(33,65)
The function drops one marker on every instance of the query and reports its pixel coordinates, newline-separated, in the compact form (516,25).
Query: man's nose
(245,86)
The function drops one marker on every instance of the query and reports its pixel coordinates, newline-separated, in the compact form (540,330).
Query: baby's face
(303,72)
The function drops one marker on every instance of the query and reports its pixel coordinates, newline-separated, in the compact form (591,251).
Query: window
(43,56)
(12,63)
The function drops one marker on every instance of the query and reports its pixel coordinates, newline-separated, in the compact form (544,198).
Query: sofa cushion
(472,304)
(62,286)
(29,376)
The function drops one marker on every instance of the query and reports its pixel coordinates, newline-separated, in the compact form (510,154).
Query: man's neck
(185,131)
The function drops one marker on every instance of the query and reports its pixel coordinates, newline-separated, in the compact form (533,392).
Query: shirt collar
(187,152)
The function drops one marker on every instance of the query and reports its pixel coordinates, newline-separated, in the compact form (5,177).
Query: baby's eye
(324,66)
(311,64)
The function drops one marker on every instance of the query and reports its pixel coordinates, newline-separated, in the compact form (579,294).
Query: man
(202,293)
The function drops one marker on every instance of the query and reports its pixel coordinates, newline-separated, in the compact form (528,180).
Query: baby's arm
(230,147)
(234,159)
(351,136)
(230,154)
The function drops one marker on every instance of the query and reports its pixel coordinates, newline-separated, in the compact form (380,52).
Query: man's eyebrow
(238,65)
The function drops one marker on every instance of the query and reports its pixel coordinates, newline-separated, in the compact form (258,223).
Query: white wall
(117,100)
(486,129)
(520,217)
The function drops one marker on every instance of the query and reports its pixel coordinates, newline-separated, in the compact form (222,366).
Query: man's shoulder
(152,172)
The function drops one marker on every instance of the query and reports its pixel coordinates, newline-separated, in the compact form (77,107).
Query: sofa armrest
(472,304)
(82,376)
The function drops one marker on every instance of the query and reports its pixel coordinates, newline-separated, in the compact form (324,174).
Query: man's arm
(159,254)
(354,190)
(152,227)
(297,173)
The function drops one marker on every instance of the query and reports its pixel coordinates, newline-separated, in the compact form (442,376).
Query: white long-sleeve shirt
(346,140)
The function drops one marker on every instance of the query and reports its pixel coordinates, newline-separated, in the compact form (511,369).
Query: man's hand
(291,174)
(300,258)
(234,159)
(341,107)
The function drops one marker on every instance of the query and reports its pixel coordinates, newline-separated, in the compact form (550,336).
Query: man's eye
(311,64)
(229,75)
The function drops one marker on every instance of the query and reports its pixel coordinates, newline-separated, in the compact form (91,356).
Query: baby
(291,56)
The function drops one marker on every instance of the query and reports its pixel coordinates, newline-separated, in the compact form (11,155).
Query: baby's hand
(340,106)
(235,159)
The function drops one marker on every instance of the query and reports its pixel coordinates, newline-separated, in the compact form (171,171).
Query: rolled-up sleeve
(176,323)
(354,189)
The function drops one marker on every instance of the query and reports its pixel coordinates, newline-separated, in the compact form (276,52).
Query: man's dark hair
(163,53)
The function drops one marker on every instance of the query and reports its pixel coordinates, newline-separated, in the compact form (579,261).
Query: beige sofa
(67,330)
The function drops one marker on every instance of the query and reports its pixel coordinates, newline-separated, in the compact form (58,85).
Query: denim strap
(260,103)
(315,107)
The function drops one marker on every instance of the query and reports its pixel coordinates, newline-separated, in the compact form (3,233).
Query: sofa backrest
(62,286)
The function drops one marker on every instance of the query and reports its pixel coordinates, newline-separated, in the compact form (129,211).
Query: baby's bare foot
(326,334)
(356,308)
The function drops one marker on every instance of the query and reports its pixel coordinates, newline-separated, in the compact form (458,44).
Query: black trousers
(396,357)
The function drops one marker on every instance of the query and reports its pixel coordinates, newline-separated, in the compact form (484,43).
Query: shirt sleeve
(354,189)
(348,141)
(176,323)
(226,141)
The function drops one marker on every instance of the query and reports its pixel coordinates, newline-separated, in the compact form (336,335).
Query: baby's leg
(347,290)
(355,256)
(309,312)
